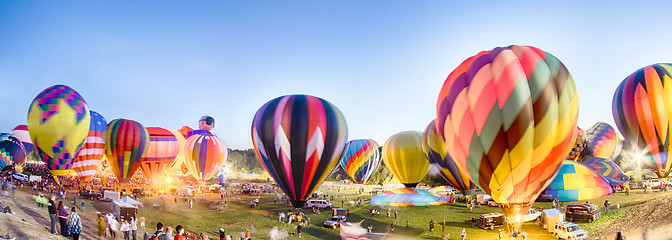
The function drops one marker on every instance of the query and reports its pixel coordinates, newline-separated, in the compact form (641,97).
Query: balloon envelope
(579,145)
(607,169)
(206,123)
(576,182)
(299,140)
(127,143)
(361,159)
(434,148)
(642,106)
(93,151)
(509,120)
(21,132)
(12,152)
(602,141)
(403,156)
(408,197)
(162,150)
(203,156)
(58,122)
(179,161)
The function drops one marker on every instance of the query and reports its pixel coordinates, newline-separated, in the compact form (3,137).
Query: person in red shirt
(180,233)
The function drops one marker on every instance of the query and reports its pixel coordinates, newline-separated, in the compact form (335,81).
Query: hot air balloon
(179,161)
(403,156)
(203,156)
(12,152)
(434,149)
(576,182)
(509,120)
(299,140)
(361,159)
(579,145)
(58,122)
(199,132)
(408,197)
(607,169)
(185,130)
(206,123)
(602,142)
(21,132)
(642,107)
(93,151)
(162,150)
(126,144)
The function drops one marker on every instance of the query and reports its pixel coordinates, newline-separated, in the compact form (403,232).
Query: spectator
(52,213)
(180,233)
(101,225)
(63,218)
(431,225)
(75,224)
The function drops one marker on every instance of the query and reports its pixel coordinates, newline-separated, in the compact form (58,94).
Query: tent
(124,211)
(129,200)
(551,217)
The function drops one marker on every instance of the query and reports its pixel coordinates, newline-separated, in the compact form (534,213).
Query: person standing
(431,225)
(242,234)
(63,218)
(159,234)
(142,222)
(464,234)
(101,225)
(126,229)
(134,228)
(248,234)
(52,213)
(298,230)
(82,206)
(75,224)
(180,233)
(114,226)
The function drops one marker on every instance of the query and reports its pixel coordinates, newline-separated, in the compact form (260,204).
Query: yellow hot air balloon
(403,156)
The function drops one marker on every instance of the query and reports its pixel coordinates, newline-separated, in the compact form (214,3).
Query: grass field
(239,216)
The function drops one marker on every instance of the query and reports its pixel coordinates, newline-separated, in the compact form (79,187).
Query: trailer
(111,196)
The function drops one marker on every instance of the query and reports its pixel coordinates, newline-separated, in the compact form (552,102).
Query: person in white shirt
(126,228)
(134,227)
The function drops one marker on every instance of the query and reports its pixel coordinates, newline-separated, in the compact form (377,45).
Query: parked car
(318,203)
(653,182)
(569,231)
(138,192)
(531,215)
(492,203)
(334,222)
(585,211)
(90,195)
(491,220)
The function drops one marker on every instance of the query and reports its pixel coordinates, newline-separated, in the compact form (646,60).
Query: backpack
(156,235)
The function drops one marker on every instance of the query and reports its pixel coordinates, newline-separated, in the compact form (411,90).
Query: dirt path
(650,220)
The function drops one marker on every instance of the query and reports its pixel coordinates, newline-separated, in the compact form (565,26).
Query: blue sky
(167,63)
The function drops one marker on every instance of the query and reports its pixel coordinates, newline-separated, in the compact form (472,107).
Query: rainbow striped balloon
(434,148)
(579,145)
(408,197)
(361,159)
(607,169)
(162,150)
(576,182)
(93,151)
(203,156)
(299,140)
(126,144)
(11,152)
(602,142)
(509,120)
(642,108)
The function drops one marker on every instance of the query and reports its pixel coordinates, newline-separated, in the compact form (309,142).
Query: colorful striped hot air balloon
(89,159)
(21,132)
(162,150)
(12,152)
(576,182)
(299,140)
(403,156)
(361,159)
(408,197)
(509,120)
(179,161)
(642,107)
(58,122)
(579,145)
(602,142)
(126,144)
(203,156)
(607,169)
(434,148)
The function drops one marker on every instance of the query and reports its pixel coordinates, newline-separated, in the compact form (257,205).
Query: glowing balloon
(642,107)
(206,123)
(509,120)
(179,161)
(21,132)
(576,182)
(602,141)
(185,130)
(361,159)
(299,140)
(58,122)
(126,144)
(203,156)
(93,151)
(434,149)
(11,152)
(403,156)
(607,169)
(199,132)
(579,145)
(162,150)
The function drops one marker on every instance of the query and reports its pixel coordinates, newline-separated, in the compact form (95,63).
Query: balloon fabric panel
(204,155)
(433,146)
(127,143)
(361,159)
(11,151)
(577,182)
(21,132)
(89,159)
(162,150)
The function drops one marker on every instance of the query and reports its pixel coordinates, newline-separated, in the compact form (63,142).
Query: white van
(318,203)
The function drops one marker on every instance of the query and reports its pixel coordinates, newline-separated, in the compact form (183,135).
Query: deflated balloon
(203,156)
(93,151)
(12,152)
(434,149)
(576,182)
(361,159)
(642,107)
(299,140)
(607,169)
(162,150)
(126,144)
(579,145)
(58,122)
(403,156)
(21,132)
(602,141)
(509,120)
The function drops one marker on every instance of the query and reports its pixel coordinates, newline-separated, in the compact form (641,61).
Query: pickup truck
(90,195)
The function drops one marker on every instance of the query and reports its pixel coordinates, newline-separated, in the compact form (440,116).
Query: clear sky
(167,63)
